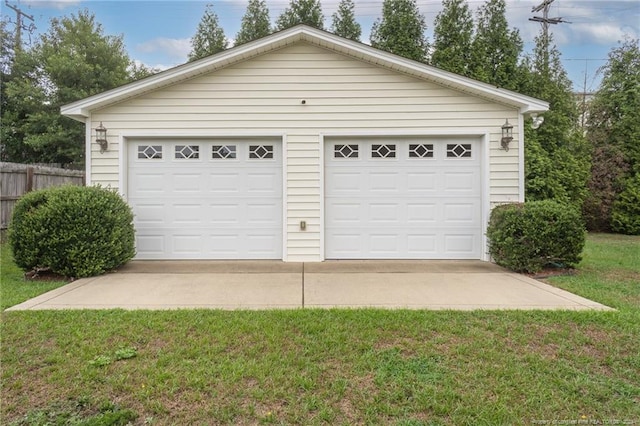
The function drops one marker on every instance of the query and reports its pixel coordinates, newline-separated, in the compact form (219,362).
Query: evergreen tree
(401,30)
(453,34)
(209,38)
(73,60)
(495,48)
(556,156)
(613,132)
(255,22)
(614,113)
(344,21)
(308,12)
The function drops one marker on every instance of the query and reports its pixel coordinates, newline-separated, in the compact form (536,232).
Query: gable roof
(81,109)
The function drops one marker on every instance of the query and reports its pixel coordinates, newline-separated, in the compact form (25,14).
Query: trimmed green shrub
(73,231)
(527,237)
(625,215)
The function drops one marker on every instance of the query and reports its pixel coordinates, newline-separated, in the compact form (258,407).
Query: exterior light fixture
(536,121)
(101,137)
(507,135)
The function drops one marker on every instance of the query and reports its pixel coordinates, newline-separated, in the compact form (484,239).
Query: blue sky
(157,33)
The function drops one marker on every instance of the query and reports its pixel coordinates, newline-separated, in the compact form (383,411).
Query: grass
(14,289)
(335,366)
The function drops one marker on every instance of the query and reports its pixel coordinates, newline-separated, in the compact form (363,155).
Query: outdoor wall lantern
(507,135)
(101,137)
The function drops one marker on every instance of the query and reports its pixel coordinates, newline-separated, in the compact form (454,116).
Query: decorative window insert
(150,152)
(383,151)
(223,151)
(459,150)
(421,150)
(345,151)
(189,152)
(261,151)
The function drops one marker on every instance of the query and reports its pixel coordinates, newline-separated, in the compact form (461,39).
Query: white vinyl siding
(263,96)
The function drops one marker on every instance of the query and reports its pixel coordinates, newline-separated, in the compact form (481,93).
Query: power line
(19,25)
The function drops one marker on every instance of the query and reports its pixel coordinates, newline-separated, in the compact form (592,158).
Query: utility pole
(19,25)
(546,21)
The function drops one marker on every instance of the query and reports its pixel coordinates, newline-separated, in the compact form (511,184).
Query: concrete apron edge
(55,298)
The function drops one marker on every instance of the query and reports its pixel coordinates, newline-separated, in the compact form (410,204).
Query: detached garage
(304,146)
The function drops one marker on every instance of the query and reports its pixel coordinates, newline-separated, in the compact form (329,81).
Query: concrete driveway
(456,285)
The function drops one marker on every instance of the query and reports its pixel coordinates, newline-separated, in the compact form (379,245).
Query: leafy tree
(556,156)
(453,34)
(495,48)
(255,22)
(209,38)
(308,12)
(401,30)
(344,21)
(613,132)
(614,113)
(71,61)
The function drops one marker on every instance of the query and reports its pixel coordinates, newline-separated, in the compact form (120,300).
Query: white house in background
(305,146)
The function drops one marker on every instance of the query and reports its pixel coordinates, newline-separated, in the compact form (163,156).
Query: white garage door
(206,199)
(403,199)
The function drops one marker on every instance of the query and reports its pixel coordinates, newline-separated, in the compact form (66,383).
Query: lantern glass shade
(507,135)
(101,137)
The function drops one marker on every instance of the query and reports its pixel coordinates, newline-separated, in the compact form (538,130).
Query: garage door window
(148,152)
(223,152)
(345,151)
(421,150)
(188,152)
(460,150)
(261,151)
(383,151)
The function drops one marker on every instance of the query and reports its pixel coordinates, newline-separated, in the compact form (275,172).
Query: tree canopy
(613,132)
(74,59)
(255,22)
(401,30)
(209,38)
(308,12)
(452,37)
(344,21)
(495,49)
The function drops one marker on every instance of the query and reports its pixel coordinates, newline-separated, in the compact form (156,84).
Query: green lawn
(333,366)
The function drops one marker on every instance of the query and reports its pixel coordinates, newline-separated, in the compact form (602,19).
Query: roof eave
(81,109)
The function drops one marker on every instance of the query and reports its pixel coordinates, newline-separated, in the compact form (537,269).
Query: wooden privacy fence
(18,179)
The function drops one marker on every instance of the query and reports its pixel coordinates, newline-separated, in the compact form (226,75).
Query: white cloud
(174,48)
(54,4)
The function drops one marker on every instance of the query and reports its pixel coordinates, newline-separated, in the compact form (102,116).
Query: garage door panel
(344,213)
(421,213)
(344,183)
(421,245)
(149,183)
(262,213)
(384,213)
(260,183)
(384,244)
(187,183)
(421,182)
(224,183)
(424,202)
(383,182)
(153,245)
(209,207)
(189,244)
(464,244)
(460,212)
(224,214)
(461,181)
